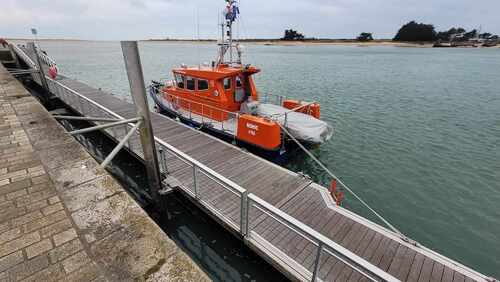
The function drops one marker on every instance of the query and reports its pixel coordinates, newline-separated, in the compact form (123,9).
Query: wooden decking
(293,194)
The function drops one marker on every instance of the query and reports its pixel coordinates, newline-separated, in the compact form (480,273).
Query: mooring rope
(340,182)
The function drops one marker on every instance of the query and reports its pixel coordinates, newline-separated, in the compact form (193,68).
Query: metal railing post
(31,46)
(316,261)
(138,91)
(163,161)
(195,184)
(244,214)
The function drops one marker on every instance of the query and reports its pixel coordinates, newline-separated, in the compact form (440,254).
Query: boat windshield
(202,84)
(190,83)
(227,83)
(239,94)
(179,80)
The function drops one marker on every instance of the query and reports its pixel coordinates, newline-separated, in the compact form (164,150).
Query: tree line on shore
(411,32)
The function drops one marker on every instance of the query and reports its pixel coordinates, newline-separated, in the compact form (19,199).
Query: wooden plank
(370,250)
(389,254)
(338,238)
(294,241)
(367,239)
(365,242)
(344,230)
(458,277)
(437,272)
(355,236)
(416,267)
(425,272)
(288,189)
(447,275)
(300,244)
(314,210)
(327,261)
(406,262)
(340,271)
(379,253)
(266,224)
(335,272)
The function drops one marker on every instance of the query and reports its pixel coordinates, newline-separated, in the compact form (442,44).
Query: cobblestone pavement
(62,217)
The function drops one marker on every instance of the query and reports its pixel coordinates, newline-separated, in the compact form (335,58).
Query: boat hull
(164,109)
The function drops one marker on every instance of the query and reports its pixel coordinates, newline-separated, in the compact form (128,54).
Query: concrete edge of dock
(65,218)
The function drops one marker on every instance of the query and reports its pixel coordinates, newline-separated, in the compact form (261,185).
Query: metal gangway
(286,218)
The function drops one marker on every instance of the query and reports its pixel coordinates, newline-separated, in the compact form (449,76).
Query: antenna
(229,17)
(198,35)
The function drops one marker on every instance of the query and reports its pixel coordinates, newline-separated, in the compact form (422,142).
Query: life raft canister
(53,72)
(338,196)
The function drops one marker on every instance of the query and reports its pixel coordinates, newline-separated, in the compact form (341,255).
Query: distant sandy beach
(273,42)
(339,42)
(345,43)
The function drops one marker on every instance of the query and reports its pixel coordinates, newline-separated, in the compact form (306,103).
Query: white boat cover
(301,126)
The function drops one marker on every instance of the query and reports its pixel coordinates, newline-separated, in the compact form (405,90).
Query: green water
(417,130)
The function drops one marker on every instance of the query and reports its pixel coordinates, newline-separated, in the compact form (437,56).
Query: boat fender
(338,196)
(53,72)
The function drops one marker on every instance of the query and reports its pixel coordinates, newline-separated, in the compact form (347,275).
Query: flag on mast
(232,10)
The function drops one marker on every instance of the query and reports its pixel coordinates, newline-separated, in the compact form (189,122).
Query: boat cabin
(212,92)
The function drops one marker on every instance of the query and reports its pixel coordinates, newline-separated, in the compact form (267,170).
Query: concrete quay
(62,217)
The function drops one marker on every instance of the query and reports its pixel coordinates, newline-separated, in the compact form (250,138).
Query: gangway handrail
(45,58)
(354,261)
(25,57)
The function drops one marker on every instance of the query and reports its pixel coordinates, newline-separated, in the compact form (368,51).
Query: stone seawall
(62,217)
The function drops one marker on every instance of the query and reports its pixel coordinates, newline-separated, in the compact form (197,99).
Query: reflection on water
(220,254)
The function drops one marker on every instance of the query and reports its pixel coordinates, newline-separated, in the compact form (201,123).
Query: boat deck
(294,194)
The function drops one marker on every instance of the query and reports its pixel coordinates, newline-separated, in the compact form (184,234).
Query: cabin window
(227,83)
(190,83)
(179,79)
(202,84)
(239,94)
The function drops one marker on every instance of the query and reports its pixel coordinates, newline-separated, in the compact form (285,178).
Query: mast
(230,14)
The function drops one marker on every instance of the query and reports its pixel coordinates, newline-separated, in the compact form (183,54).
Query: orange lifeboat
(222,99)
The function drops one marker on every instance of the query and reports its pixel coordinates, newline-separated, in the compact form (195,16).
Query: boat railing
(283,117)
(206,113)
(203,183)
(272,98)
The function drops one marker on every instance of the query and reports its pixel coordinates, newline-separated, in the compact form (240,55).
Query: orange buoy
(338,196)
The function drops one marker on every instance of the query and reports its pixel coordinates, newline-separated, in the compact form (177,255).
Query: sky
(145,19)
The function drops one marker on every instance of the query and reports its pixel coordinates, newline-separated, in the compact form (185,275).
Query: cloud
(139,19)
